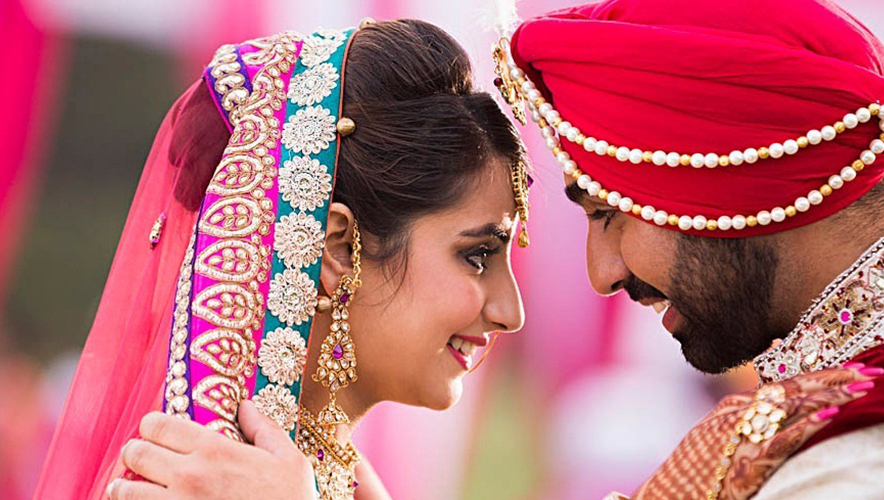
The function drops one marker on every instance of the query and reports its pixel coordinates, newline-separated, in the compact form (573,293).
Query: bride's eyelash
(476,257)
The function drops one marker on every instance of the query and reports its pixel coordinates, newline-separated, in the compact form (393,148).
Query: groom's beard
(723,289)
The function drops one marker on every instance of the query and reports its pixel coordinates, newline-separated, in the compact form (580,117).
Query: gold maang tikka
(509,90)
(334,464)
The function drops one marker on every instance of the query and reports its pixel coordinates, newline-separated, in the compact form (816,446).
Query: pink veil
(123,365)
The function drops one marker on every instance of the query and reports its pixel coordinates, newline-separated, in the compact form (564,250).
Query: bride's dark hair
(423,135)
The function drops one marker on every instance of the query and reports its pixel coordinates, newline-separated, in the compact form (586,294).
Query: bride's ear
(336,258)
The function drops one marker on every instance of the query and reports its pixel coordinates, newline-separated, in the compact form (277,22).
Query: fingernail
(871,371)
(853,364)
(111,486)
(827,412)
(860,386)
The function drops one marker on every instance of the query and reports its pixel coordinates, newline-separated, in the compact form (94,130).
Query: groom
(727,156)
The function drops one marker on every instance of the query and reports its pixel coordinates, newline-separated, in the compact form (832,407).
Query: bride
(324,222)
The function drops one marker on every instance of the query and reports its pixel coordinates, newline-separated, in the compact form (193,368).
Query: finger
(264,433)
(836,396)
(123,489)
(174,433)
(150,461)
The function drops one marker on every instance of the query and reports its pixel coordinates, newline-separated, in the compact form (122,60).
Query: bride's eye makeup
(478,256)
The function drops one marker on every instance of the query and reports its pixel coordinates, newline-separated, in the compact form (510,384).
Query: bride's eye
(605,215)
(478,257)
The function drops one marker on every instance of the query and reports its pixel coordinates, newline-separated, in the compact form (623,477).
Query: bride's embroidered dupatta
(214,284)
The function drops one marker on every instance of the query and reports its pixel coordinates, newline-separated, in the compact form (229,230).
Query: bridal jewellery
(519,91)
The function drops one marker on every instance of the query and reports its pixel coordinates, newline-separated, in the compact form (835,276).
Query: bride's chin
(445,397)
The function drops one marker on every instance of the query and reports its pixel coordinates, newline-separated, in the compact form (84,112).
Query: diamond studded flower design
(305,183)
(319,47)
(313,85)
(282,356)
(279,404)
(310,130)
(299,240)
(292,297)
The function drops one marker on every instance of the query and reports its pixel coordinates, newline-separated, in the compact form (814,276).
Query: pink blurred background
(589,397)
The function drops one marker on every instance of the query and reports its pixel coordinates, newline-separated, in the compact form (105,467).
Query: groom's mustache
(638,290)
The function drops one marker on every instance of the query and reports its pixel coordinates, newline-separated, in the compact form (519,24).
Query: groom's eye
(605,215)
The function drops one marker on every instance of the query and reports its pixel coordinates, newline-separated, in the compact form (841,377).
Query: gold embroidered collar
(845,320)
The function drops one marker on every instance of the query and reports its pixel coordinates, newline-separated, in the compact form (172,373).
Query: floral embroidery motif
(847,319)
(305,183)
(319,47)
(292,297)
(313,85)
(283,356)
(309,131)
(299,240)
(279,404)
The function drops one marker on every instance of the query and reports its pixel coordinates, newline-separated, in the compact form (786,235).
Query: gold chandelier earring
(334,463)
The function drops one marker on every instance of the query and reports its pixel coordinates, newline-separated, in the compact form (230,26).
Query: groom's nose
(604,263)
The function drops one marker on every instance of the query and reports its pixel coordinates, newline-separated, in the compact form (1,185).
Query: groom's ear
(337,256)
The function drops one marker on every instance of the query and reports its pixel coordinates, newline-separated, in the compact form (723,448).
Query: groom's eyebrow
(491,229)
(577,194)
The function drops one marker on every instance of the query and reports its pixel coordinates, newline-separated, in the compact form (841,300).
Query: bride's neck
(355,399)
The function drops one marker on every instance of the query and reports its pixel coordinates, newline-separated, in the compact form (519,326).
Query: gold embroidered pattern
(278,403)
(292,297)
(177,401)
(283,356)
(305,183)
(313,85)
(299,240)
(846,319)
(240,217)
(310,130)
(229,81)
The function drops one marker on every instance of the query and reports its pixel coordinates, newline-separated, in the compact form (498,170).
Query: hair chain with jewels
(334,463)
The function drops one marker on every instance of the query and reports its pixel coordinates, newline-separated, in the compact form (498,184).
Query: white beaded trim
(553,127)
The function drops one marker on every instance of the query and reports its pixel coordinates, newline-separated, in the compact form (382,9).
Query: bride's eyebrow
(498,231)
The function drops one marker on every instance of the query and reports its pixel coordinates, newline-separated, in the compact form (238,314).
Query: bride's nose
(503,310)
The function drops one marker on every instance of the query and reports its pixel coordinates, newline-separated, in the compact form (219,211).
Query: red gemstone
(338,352)
(782,369)
(355,484)
(320,455)
(345,298)
(498,81)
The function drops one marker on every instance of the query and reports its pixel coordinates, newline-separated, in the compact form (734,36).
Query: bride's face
(417,333)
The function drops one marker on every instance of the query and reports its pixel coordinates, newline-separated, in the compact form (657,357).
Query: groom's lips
(672,320)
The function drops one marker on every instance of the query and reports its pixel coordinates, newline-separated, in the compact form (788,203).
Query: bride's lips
(463,347)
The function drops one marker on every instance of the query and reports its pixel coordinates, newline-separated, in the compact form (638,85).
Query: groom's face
(716,292)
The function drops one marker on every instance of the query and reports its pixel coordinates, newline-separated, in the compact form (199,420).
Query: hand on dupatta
(183,460)
(807,403)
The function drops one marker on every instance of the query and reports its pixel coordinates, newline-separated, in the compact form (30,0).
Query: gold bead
(324,304)
(647,156)
(826,190)
(858,165)
(684,160)
(840,127)
(603,194)
(612,150)
(366,22)
(636,209)
(538,103)
(751,221)
(712,224)
(346,126)
(875,108)
(790,211)
(556,121)
(802,142)
(576,174)
(580,139)
(556,150)
(672,220)
(763,153)
(724,161)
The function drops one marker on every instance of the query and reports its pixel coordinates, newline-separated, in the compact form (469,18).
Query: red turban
(712,76)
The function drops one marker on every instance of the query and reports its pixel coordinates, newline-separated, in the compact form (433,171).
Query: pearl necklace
(553,128)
